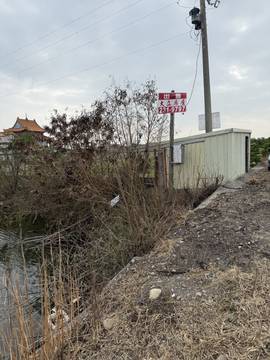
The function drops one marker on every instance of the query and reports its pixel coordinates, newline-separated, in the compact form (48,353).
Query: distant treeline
(260,148)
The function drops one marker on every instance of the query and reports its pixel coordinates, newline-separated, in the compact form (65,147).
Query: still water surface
(18,270)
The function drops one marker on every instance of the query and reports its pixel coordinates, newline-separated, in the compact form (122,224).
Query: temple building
(20,128)
(24,126)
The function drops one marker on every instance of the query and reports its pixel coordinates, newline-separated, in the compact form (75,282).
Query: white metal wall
(222,155)
(191,171)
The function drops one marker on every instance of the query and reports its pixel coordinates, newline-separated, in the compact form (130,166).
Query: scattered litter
(115,201)
(57,317)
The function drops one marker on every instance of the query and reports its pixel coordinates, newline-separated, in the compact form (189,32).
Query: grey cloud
(238,55)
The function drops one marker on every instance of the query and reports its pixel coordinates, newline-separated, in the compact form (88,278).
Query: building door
(247,153)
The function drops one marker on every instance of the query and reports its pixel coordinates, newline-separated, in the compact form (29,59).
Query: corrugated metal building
(200,159)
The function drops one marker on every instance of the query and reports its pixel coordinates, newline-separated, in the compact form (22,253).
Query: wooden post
(156,169)
(171,150)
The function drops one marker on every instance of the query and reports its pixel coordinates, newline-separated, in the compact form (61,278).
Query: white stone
(109,323)
(154,294)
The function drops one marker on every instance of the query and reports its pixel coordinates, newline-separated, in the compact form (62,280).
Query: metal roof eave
(201,137)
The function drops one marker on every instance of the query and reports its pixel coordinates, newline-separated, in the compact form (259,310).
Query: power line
(75,33)
(119,29)
(104,63)
(196,73)
(182,6)
(44,36)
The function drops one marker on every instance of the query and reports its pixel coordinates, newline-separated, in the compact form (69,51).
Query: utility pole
(198,18)
(206,74)
(171,158)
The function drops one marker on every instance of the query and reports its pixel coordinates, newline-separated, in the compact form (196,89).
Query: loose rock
(154,294)
(109,323)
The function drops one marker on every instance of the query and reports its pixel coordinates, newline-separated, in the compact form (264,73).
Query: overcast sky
(58,54)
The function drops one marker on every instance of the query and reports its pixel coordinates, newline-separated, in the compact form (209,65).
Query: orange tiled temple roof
(25,125)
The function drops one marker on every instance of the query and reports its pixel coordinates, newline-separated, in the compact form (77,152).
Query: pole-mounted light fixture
(195,18)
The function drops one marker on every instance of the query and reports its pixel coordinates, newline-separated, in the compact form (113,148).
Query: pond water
(19,273)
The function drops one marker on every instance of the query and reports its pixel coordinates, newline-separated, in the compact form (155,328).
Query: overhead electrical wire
(182,6)
(75,33)
(196,73)
(44,36)
(110,61)
(133,52)
(119,29)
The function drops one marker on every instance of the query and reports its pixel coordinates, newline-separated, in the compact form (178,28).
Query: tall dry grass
(38,331)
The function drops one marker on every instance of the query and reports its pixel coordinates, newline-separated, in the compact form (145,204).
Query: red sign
(172,102)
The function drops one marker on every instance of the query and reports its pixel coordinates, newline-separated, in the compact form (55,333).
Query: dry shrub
(71,189)
(110,237)
(63,188)
(253,181)
(203,189)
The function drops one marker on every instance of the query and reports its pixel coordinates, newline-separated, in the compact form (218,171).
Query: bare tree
(133,112)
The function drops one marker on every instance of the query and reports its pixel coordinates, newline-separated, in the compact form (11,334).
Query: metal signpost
(171,103)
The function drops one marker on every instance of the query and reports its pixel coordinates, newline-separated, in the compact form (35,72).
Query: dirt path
(213,278)
(230,229)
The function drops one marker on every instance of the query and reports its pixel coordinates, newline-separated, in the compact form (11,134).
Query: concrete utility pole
(171,150)
(206,74)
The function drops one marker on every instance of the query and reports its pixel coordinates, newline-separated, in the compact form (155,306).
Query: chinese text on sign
(172,102)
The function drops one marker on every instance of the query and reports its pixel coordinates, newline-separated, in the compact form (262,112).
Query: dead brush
(253,181)
(101,241)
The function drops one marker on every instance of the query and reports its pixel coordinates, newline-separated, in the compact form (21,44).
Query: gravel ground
(232,228)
